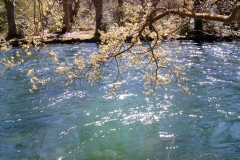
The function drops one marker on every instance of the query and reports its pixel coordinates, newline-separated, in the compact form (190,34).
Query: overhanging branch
(235,15)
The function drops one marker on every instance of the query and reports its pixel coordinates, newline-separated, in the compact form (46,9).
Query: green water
(81,122)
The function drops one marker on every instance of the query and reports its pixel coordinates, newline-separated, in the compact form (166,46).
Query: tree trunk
(12,29)
(198,23)
(120,2)
(98,4)
(67,16)
(119,13)
(74,11)
(155,3)
(142,2)
(90,4)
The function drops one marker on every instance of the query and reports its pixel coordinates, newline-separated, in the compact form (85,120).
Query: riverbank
(49,38)
(88,36)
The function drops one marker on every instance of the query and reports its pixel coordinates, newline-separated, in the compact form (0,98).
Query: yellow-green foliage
(113,47)
(3,20)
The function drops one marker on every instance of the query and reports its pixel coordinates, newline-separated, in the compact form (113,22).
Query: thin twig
(171,148)
(41,145)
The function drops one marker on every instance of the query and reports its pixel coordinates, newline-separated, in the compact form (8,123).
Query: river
(81,122)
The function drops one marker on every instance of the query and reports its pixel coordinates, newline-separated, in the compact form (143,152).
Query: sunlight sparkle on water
(87,123)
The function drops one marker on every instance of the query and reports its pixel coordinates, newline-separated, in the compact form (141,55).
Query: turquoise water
(81,122)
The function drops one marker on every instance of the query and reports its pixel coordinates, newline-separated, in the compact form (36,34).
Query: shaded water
(80,122)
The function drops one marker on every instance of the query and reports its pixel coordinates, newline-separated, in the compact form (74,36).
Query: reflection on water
(81,122)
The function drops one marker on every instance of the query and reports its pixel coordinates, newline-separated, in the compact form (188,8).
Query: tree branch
(206,16)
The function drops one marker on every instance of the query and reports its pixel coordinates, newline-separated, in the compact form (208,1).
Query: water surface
(81,122)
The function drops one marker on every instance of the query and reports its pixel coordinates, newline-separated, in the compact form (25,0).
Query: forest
(191,17)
